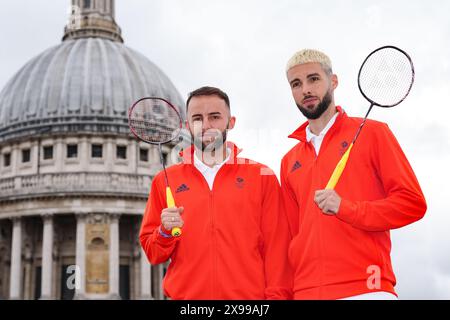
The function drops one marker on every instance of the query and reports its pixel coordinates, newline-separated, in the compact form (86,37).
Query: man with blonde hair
(341,243)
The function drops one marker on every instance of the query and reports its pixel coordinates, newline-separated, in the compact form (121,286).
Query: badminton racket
(156,121)
(385,80)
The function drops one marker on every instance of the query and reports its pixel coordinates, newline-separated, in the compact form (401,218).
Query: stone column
(27,261)
(114,256)
(134,156)
(16,260)
(47,258)
(80,260)
(15,158)
(146,277)
(158,277)
(59,154)
(84,154)
(34,152)
(109,154)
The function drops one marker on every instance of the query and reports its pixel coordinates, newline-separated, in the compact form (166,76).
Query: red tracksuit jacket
(235,237)
(335,256)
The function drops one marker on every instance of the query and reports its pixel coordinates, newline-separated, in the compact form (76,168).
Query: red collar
(188,153)
(300,132)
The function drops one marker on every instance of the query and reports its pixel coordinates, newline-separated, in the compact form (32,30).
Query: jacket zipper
(215,288)
(211,222)
(214,243)
(316,178)
(214,282)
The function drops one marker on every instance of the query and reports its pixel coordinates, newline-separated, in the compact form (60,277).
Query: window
(26,155)
(7,159)
(48,152)
(121,152)
(143,154)
(72,151)
(87,4)
(97,151)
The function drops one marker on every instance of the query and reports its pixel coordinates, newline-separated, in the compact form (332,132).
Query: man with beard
(234,234)
(341,243)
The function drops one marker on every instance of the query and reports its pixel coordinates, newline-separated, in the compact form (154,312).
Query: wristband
(162,233)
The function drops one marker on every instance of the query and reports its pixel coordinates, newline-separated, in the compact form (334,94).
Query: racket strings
(386,77)
(154,121)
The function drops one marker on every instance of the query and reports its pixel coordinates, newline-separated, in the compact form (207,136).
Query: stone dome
(82,85)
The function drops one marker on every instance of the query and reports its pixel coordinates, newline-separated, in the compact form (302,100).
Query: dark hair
(208,91)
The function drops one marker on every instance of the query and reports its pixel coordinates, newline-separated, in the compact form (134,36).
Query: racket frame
(410,86)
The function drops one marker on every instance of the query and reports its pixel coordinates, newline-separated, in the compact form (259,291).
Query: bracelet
(165,235)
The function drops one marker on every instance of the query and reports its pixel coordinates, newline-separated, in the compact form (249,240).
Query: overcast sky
(242,46)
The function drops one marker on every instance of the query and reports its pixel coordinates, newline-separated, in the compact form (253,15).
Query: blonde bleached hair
(310,56)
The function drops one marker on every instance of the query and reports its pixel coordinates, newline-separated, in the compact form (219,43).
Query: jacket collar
(300,132)
(188,154)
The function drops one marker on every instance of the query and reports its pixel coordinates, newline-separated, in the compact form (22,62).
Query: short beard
(210,147)
(319,110)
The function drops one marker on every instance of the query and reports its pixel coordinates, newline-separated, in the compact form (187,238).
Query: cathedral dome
(83,84)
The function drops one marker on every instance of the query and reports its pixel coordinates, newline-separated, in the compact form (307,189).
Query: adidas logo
(240,182)
(297,165)
(182,188)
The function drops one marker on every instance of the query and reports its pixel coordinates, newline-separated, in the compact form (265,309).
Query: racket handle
(176,232)
(339,169)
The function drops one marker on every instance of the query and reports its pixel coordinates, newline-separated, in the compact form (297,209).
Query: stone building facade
(73,181)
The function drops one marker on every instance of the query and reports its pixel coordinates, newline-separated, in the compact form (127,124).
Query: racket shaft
(339,169)
(176,232)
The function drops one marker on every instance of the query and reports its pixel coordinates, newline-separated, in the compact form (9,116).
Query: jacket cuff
(164,235)
(347,211)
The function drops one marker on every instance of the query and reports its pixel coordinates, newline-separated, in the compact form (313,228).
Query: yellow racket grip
(339,169)
(176,232)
